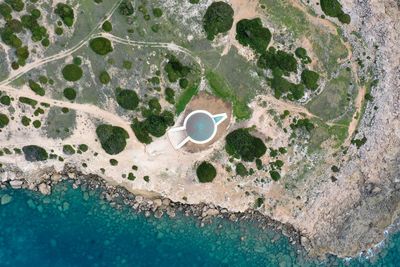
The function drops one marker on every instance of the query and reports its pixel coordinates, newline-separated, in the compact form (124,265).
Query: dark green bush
(4,120)
(302,123)
(107,26)
(139,128)
(14,25)
(36,124)
(72,72)
(333,8)
(273,59)
(112,138)
(104,77)
(157,12)
(127,99)
(5,100)
(282,87)
(66,13)
(241,170)
(125,8)
(241,144)
(217,19)
(301,53)
(250,32)
(68,150)
(36,88)
(113,162)
(275,175)
(83,147)
(175,69)
(17,5)
(359,142)
(101,46)
(206,172)
(35,153)
(69,93)
(170,95)
(5,11)
(154,105)
(183,83)
(28,101)
(310,79)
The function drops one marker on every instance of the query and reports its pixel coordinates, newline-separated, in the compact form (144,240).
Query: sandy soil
(243,9)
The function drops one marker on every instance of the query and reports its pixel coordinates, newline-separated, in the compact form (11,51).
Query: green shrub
(154,105)
(101,46)
(157,12)
(301,53)
(310,79)
(36,88)
(127,64)
(127,99)
(25,121)
(35,153)
(281,87)
(175,69)
(107,26)
(59,31)
(241,170)
(28,101)
(275,175)
(37,124)
(139,128)
(4,120)
(5,11)
(66,14)
(22,54)
(83,147)
(241,144)
(5,100)
(217,19)
(14,25)
(156,125)
(113,162)
(125,8)
(17,5)
(194,1)
(104,77)
(359,142)
(72,72)
(206,172)
(302,123)
(183,83)
(333,9)
(250,32)
(68,150)
(112,138)
(170,95)
(273,59)
(69,93)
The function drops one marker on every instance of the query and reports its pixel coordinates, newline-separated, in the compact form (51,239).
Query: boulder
(44,189)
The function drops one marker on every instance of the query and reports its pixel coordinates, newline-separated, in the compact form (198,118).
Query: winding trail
(86,108)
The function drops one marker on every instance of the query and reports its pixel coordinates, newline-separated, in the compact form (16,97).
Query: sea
(72,227)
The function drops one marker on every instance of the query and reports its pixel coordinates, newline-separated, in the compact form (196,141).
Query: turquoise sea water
(68,228)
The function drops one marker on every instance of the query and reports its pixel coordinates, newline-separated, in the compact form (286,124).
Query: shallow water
(75,228)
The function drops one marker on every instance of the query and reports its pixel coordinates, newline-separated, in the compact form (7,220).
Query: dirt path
(95,111)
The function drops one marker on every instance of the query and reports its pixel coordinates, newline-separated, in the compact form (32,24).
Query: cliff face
(351,215)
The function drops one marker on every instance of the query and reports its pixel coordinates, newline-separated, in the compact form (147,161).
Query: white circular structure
(200,127)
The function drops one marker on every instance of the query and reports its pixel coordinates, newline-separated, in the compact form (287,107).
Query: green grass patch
(185,97)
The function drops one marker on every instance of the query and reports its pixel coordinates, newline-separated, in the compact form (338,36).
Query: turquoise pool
(200,127)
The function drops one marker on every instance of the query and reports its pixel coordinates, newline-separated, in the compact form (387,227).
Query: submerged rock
(5,199)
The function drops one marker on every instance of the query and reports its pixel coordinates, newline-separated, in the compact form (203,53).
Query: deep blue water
(70,228)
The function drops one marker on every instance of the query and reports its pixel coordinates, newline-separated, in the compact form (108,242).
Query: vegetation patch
(126,8)
(101,46)
(217,19)
(28,101)
(36,88)
(278,61)
(310,79)
(155,124)
(68,150)
(69,93)
(66,13)
(175,69)
(72,72)
(333,8)
(241,144)
(127,99)
(35,153)
(206,172)
(107,26)
(250,32)
(4,120)
(5,100)
(112,138)
(104,77)
(283,87)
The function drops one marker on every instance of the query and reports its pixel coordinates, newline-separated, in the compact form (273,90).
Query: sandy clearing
(243,9)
